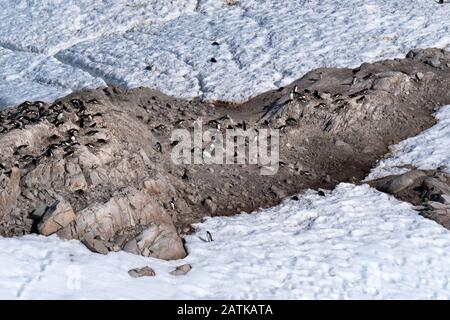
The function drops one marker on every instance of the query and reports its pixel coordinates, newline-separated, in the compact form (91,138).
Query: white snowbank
(353,243)
(263,44)
(428,150)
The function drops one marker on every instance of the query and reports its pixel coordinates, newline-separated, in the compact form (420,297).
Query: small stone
(210,205)
(278,192)
(434,62)
(181,270)
(142,272)
(188,230)
(419,75)
(29,195)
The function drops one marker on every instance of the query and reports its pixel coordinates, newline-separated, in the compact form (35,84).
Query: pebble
(181,270)
(142,272)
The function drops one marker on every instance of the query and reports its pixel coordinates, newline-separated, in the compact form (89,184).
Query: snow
(353,243)
(428,150)
(32,32)
(263,44)
(30,76)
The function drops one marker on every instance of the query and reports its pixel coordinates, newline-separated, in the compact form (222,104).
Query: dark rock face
(96,165)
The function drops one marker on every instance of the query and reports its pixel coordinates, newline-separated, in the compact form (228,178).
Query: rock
(74,180)
(133,209)
(59,215)
(158,242)
(326,179)
(38,213)
(434,62)
(432,185)
(446,198)
(392,82)
(427,190)
(95,245)
(181,270)
(419,75)
(9,191)
(76,183)
(397,183)
(142,272)
(437,205)
(211,206)
(191,199)
(278,192)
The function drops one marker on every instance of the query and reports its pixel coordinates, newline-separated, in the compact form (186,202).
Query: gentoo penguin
(172,204)
(92,132)
(93,101)
(158,147)
(50,152)
(73,132)
(102,141)
(291,121)
(294,92)
(209,237)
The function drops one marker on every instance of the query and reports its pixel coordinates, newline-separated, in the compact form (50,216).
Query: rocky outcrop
(73,177)
(116,224)
(428,190)
(97,165)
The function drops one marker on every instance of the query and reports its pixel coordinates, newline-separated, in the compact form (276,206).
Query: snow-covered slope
(261,44)
(428,150)
(49,26)
(353,243)
(32,32)
(32,76)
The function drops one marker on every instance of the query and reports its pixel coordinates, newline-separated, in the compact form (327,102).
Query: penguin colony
(32,113)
